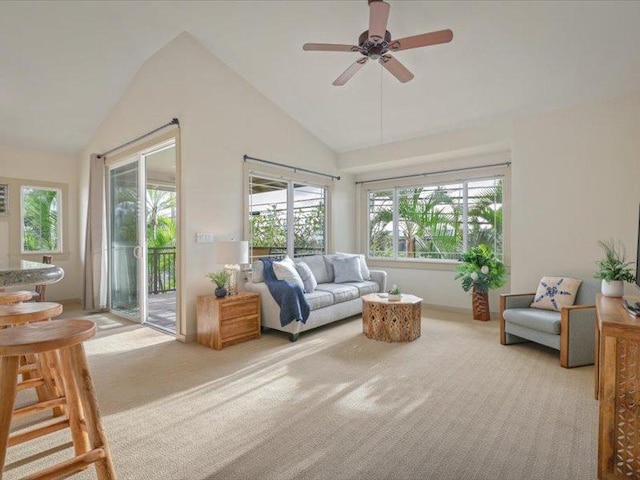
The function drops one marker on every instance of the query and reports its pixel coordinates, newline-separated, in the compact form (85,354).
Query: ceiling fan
(376,43)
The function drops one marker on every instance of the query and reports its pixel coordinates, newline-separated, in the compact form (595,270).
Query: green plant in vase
(220,278)
(394,293)
(614,269)
(480,272)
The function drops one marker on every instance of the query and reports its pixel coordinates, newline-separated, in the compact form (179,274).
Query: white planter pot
(395,297)
(614,288)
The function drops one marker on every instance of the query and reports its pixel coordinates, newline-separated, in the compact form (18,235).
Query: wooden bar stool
(64,337)
(38,371)
(15,297)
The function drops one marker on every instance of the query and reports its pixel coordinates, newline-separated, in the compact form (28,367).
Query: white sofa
(329,301)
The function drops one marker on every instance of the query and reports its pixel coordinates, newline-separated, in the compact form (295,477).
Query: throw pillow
(364,269)
(556,292)
(307,277)
(347,269)
(286,270)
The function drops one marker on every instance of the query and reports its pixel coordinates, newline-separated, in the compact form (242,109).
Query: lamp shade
(233,252)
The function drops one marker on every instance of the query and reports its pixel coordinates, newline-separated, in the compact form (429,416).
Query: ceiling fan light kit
(376,43)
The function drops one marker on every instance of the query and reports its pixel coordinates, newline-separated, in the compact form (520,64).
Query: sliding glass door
(126,240)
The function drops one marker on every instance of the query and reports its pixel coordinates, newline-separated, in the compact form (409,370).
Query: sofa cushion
(286,270)
(556,292)
(364,269)
(307,277)
(318,299)
(536,319)
(340,291)
(347,269)
(365,287)
(318,267)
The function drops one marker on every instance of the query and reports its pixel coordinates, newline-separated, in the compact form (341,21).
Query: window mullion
(396,223)
(290,220)
(465,216)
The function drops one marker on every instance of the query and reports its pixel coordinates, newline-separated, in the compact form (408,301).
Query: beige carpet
(454,404)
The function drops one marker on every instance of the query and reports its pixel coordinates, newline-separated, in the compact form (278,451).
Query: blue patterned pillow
(347,269)
(556,292)
(307,277)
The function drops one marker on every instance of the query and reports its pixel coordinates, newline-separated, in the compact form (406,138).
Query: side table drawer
(238,309)
(239,326)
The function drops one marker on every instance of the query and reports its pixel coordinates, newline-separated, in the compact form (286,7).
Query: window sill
(435,265)
(440,265)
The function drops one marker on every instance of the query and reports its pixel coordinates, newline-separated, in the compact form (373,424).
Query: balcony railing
(161,269)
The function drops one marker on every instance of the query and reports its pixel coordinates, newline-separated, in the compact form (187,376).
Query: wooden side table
(396,321)
(228,320)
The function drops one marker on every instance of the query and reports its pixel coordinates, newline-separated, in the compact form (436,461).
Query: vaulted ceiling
(65,64)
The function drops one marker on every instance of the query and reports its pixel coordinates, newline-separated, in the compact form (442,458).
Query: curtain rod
(439,172)
(174,121)
(295,169)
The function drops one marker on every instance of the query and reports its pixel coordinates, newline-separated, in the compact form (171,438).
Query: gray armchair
(571,330)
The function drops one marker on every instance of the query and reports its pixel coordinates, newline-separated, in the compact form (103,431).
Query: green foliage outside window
(41,220)
(430,220)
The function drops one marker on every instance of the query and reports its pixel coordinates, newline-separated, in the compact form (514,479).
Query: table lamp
(231,254)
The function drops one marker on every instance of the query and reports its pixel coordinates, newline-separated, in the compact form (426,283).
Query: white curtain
(94,295)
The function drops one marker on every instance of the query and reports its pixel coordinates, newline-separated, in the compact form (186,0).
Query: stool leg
(48,363)
(8,382)
(74,357)
(77,423)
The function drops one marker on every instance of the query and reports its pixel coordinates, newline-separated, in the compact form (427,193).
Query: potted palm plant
(481,271)
(614,269)
(220,278)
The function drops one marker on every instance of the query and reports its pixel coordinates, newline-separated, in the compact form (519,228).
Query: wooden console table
(618,389)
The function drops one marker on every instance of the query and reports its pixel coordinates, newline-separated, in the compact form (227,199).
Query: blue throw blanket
(289,296)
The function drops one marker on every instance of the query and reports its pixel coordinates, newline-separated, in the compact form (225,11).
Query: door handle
(137,251)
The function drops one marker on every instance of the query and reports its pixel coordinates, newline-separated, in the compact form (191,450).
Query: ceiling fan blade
(350,72)
(330,47)
(396,68)
(424,40)
(378,16)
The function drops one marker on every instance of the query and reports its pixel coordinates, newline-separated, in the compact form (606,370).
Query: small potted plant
(220,278)
(395,295)
(614,269)
(481,271)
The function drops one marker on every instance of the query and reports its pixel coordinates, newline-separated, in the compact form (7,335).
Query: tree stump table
(391,321)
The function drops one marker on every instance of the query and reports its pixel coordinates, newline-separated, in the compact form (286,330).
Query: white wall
(575,179)
(48,167)
(222,118)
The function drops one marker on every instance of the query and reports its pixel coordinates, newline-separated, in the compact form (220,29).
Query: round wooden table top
(15,297)
(44,336)
(383,298)
(28,312)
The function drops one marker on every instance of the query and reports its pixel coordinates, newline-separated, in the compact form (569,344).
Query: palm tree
(486,218)
(40,220)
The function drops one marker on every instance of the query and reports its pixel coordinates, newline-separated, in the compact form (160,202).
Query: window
(286,217)
(41,219)
(435,221)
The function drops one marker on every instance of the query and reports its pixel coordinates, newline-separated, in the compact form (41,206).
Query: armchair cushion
(556,292)
(542,320)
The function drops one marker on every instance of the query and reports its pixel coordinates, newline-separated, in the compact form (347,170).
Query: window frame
(60,229)
(422,180)
(291,178)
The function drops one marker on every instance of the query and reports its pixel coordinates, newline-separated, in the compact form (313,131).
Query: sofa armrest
(380,277)
(512,300)
(577,335)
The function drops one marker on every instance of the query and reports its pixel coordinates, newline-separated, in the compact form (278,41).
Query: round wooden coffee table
(391,321)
